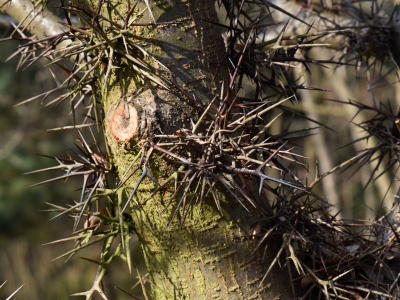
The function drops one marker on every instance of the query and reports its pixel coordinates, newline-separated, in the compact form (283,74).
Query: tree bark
(209,255)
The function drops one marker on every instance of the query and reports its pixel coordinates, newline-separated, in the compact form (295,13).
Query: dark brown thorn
(130,12)
(239,62)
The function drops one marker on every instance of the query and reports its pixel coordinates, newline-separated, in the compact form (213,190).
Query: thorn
(145,173)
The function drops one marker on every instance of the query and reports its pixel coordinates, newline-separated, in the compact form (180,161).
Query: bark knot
(134,117)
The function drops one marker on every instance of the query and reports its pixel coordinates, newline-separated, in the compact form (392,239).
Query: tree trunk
(205,254)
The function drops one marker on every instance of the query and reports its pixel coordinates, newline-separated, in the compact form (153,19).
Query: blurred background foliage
(23,228)
(23,131)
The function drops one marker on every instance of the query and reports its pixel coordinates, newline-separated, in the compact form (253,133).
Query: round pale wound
(124,122)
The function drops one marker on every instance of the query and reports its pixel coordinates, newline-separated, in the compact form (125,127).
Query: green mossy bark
(209,256)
